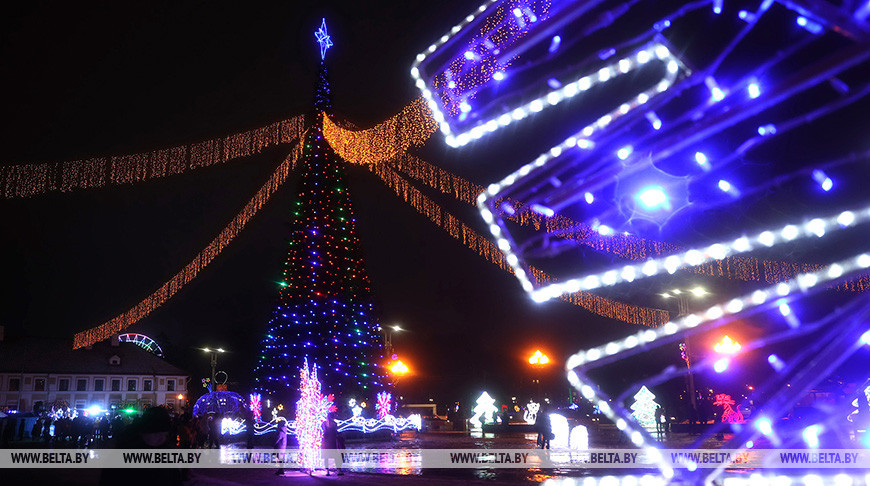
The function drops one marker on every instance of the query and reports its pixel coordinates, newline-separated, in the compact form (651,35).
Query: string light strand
(192,269)
(28,180)
(483,246)
(411,126)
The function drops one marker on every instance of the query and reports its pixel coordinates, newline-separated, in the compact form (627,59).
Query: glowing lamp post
(539,360)
(683,296)
(388,337)
(214,352)
(399,368)
(727,346)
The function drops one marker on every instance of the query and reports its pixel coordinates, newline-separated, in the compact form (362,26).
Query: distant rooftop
(51,355)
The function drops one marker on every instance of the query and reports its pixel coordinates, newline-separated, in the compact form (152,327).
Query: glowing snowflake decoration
(383,404)
(256,406)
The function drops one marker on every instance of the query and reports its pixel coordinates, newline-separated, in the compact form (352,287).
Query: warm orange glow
(180,396)
(399,368)
(411,126)
(727,346)
(539,358)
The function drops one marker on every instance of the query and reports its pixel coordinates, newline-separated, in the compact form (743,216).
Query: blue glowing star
(323,39)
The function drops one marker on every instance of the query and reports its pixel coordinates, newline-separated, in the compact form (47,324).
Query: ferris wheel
(142,341)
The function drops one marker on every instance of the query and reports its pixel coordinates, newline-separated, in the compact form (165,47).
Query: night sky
(94,79)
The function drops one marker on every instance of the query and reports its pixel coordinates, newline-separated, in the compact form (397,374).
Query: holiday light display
(602,172)
(842,335)
(530,415)
(853,416)
(626,246)
(142,341)
(232,426)
(410,127)
(644,407)
(219,402)
(323,39)
(485,411)
(25,180)
(311,411)
(383,404)
(642,316)
(729,415)
(358,423)
(256,406)
(190,271)
(324,311)
(727,346)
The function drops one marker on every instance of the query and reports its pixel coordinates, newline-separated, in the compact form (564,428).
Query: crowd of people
(76,429)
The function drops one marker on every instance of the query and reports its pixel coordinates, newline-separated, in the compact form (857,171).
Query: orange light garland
(25,180)
(625,246)
(411,126)
(600,305)
(190,271)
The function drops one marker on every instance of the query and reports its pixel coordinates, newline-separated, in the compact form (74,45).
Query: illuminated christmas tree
(324,312)
(644,407)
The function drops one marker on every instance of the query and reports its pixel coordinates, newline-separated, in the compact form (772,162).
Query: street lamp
(388,337)
(399,368)
(727,346)
(539,360)
(214,352)
(683,296)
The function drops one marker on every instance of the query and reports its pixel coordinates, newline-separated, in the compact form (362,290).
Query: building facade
(38,373)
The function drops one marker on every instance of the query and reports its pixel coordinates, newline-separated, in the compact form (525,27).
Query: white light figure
(645,408)
(559,425)
(230,426)
(579,439)
(531,413)
(485,410)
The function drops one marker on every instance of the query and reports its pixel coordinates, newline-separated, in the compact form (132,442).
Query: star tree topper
(323,39)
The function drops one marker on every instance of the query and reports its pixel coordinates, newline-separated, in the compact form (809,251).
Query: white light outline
(635,431)
(552,98)
(815,227)
(497,227)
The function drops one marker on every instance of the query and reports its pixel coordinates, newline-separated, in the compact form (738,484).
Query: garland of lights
(192,269)
(456,228)
(411,126)
(25,180)
(33,179)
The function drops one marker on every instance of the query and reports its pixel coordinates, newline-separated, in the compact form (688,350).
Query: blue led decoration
(323,39)
(695,127)
(219,402)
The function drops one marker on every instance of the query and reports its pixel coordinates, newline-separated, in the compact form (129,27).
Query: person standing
(333,443)
(281,443)
(544,427)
